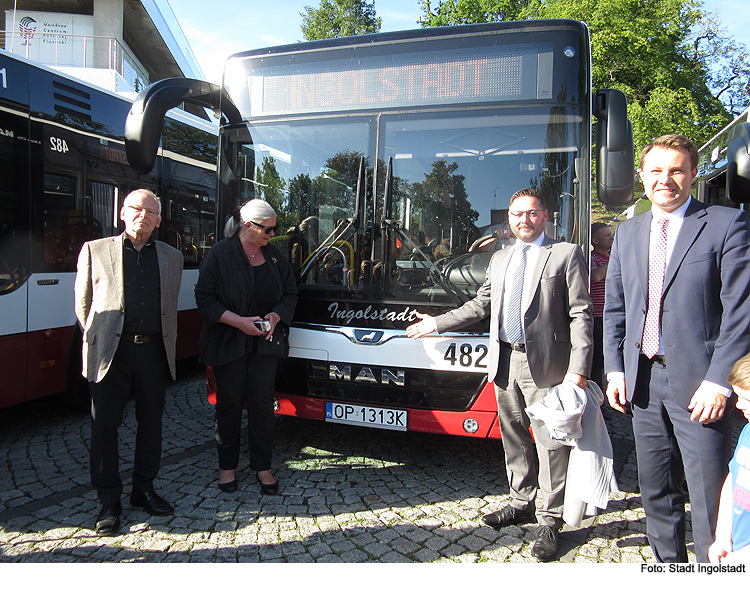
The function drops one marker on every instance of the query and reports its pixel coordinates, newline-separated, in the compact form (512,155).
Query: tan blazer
(100,301)
(558,320)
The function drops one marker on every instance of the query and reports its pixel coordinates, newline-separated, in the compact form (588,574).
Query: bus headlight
(276,405)
(471,426)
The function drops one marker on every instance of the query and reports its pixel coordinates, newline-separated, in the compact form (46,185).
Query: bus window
(100,207)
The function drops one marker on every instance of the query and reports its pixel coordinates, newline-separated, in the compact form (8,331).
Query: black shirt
(142,288)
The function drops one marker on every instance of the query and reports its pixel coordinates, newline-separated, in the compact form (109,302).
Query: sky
(238,25)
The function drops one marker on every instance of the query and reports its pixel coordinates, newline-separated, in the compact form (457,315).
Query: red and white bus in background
(391,159)
(63,177)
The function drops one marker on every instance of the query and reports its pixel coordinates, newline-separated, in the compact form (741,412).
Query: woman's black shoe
(268,489)
(229,487)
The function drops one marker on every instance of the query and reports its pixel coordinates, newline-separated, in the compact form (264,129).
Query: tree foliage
(679,69)
(339,18)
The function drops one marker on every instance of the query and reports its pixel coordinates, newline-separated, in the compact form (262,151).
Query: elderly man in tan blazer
(126,293)
(541,333)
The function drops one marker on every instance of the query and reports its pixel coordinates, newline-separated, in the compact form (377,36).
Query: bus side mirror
(738,164)
(615,174)
(146,117)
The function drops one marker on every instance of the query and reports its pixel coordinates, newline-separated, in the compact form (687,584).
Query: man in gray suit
(676,318)
(126,293)
(541,334)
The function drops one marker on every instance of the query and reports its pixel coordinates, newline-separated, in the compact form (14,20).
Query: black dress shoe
(151,502)
(108,521)
(508,515)
(268,489)
(545,543)
(229,487)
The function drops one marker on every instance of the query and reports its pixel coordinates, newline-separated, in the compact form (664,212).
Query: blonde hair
(255,210)
(739,375)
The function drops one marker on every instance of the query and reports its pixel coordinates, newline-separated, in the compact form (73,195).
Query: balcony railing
(78,51)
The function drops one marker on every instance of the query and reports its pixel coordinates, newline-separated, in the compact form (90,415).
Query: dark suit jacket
(100,301)
(706,303)
(558,322)
(227,282)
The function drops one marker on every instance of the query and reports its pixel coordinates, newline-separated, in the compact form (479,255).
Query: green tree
(680,72)
(339,18)
(441,197)
(271,187)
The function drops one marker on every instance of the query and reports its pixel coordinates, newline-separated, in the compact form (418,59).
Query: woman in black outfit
(244,280)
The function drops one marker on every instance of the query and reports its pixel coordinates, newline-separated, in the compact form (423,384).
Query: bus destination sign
(518,73)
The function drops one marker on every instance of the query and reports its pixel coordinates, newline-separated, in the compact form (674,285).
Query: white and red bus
(63,176)
(391,159)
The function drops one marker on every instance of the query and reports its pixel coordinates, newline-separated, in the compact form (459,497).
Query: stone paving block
(376,549)
(426,555)
(342,546)
(329,558)
(319,549)
(473,543)
(403,546)
(355,555)
(394,558)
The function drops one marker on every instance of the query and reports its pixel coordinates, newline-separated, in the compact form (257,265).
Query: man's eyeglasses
(138,209)
(266,229)
(532,213)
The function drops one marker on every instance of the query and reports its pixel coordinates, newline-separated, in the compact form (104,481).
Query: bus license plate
(367,416)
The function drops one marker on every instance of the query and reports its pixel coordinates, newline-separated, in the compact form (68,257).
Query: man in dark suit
(676,317)
(541,333)
(126,293)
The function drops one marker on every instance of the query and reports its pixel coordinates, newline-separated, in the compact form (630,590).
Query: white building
(120,45)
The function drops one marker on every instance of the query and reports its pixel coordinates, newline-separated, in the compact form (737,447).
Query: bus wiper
(457,296)
(388,223)
(352,222)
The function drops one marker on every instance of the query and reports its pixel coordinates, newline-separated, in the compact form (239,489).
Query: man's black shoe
(151,502)
(545,543)
(508,515)
(108,521)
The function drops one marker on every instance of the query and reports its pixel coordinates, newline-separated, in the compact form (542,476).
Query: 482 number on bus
(466,355)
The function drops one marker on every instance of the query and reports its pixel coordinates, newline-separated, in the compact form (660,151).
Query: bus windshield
(391,171)
(453,174)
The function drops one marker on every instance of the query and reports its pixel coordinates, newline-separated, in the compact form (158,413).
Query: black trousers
(139,372)
(247,380)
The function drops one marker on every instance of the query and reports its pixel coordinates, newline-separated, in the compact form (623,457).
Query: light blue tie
(513,329)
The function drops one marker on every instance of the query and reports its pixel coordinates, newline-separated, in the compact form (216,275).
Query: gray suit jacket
(100,301)
(558,322)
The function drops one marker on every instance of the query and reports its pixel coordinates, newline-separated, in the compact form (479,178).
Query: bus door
(60,229)
(15,255)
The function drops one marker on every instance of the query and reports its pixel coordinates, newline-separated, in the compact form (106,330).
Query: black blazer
(226,282)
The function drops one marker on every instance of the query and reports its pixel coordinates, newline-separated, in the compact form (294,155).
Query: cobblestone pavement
(348,494)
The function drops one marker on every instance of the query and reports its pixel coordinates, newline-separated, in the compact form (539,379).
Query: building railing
(60,50)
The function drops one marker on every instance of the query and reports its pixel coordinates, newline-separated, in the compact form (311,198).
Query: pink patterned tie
(656,267)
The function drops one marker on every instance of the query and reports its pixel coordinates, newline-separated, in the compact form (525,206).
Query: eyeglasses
(532,213)
(266,229)
(138,209)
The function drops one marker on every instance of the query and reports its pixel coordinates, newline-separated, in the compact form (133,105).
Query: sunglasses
(267,230)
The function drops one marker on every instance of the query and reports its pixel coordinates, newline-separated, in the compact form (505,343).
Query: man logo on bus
(27,25)
(370,337)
